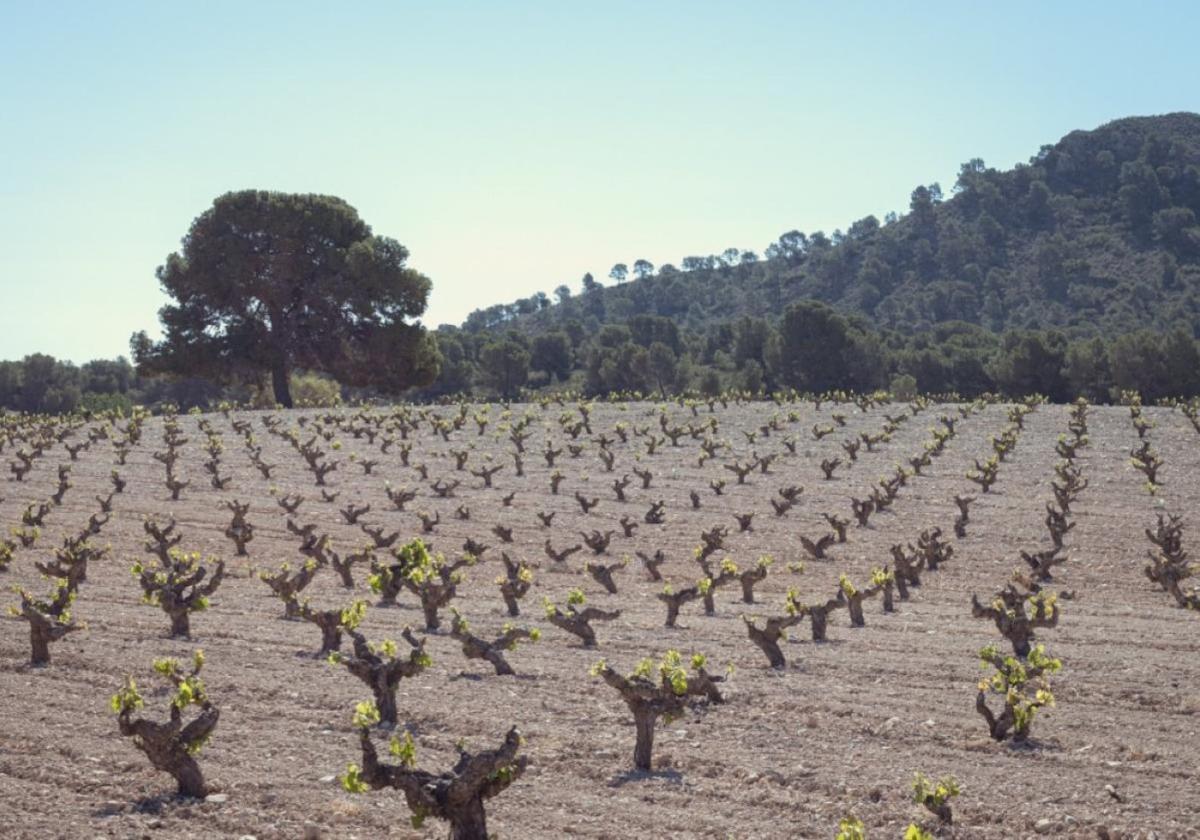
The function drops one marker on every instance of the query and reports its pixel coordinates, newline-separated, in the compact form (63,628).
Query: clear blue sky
(514,146)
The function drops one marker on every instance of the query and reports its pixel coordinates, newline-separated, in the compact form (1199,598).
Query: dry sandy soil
(840,731)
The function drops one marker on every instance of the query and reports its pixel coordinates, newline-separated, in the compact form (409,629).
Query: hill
(1096,236)
(1098,230)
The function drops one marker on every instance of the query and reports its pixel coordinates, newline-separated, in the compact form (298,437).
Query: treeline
(810,347)
(814,348)
(42,384)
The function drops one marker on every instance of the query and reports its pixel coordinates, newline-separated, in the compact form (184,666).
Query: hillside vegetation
(1096,236)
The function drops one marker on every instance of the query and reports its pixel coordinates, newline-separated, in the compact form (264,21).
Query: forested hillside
(1096,236)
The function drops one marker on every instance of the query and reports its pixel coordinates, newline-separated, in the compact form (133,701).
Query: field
(840,730)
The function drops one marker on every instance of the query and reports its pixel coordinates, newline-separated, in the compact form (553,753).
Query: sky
(514,146)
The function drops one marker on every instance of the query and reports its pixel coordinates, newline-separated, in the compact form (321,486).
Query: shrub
(172,746)
(649,699)
(1023,687)
(381,668)
(456,795)
(935,797)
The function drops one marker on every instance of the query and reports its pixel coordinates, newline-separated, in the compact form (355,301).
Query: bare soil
(840,731)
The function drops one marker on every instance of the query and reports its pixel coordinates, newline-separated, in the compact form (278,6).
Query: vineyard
(719,618)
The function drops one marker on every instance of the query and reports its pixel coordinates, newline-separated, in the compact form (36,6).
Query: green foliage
(933,795)
(121,404)
(505,366)
(551,354)
(1032,363)
(353,615)
(671,670)
(404,750)
(851,828)
(792,603)
(822,351)
(309,389)
(189,690)
(1022,693)
(421,567)
(903,386)
(352,779)
(236,277)
(366,714)
(378,580)
(127,700)
(40,384)
(847,586)
(413,554)
(661,367)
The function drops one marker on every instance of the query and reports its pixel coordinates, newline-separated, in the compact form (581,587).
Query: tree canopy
(270,282)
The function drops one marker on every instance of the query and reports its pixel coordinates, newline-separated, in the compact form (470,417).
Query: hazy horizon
(514,149)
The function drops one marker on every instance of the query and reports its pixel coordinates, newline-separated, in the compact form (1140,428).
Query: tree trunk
(511,602)
(503,669)
(280,384)
(774,654)
(854,604)
(468,822)
(331,638)
(769,646)
(385,701)
(748,590)
(40,644)
(187,775)
(389,589)
(180,627)
(888,604)
(432,622)
(819,620)
(643,720)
